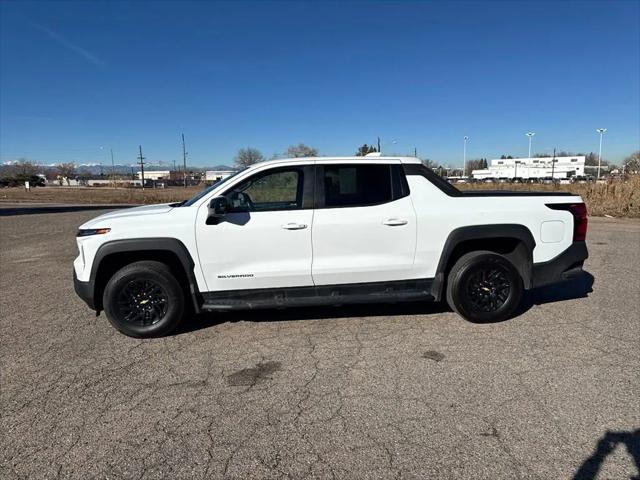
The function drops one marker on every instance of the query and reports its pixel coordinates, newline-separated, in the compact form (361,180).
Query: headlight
(86,232)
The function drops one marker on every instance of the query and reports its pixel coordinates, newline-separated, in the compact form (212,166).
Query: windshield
(204,192)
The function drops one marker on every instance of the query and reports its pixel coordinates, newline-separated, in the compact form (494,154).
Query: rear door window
(356,185)
(353,185)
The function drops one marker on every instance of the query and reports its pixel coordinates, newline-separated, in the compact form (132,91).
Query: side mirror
(218,207)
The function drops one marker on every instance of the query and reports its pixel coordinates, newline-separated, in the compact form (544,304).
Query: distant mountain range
(94,169)
(97,169)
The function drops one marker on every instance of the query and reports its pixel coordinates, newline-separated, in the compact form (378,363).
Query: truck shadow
(205,320)
(606,445)
(578,287)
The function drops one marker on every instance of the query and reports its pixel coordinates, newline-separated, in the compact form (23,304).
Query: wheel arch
(514,241)
(113,255)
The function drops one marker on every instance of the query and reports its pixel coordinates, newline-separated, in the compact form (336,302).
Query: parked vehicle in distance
(327,231)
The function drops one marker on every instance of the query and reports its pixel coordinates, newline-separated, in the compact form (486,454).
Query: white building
(216,175)
(155,175)
(544,167)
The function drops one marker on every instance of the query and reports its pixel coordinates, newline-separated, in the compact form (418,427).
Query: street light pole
(464,156)
(530,135)
(601,132)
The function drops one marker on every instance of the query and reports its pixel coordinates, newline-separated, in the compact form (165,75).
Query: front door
(264,241)
(364,229)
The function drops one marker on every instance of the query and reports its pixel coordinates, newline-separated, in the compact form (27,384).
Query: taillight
(579,212)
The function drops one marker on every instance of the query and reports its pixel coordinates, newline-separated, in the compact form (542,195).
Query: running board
(329,295)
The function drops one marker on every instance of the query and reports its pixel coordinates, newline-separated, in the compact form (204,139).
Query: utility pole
(113,169)
(601,132)
(184,161)
(464,156)
(379,148)
(553,164)
(141,162)
(415,152)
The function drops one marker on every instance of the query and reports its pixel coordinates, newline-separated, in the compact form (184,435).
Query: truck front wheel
(144,299)
(484,286)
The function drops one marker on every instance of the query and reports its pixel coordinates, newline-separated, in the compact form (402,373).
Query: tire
(483,287)
(144,299)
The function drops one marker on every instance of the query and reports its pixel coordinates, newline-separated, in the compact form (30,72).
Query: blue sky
(81,75)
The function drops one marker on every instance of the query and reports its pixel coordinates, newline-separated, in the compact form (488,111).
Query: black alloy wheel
(144,299)
(488,288)
(484,286)
(142,302)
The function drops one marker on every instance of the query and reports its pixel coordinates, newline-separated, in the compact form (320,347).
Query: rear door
(364,226)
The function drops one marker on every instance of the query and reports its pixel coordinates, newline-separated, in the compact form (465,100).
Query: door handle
(394,222)
(294,226)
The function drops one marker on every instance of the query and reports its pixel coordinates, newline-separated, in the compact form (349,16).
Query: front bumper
(84,290)
(565,266)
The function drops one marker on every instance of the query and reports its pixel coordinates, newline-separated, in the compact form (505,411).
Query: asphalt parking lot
(376,392)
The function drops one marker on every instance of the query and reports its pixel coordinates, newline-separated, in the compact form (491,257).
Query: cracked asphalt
(408,391)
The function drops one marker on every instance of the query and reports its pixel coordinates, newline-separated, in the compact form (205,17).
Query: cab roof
(365,159)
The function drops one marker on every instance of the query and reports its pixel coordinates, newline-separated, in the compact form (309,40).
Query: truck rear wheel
(144,299)
(484,286)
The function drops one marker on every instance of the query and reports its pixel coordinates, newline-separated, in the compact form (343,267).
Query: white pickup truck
(327,231)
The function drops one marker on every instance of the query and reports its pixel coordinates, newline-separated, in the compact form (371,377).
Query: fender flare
(172,245)
(485,232)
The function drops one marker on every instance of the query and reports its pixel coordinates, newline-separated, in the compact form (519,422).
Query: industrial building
(216,175)
(533,168)
(154,175)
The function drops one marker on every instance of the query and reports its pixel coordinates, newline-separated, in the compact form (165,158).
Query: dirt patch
(248,377)
(433,355)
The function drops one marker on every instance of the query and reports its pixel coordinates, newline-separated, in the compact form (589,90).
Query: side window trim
(396,193)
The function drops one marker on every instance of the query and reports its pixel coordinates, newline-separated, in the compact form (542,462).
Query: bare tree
(66,171)
(365,149)
(25,168)
(429,163)
(248,156)
(475,164)
(631,164)
(301,150)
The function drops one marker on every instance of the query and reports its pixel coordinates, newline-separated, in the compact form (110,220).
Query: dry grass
(616,199)
(619,199)
(83,195)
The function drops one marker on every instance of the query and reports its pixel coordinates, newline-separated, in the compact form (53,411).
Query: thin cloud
(88,56)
